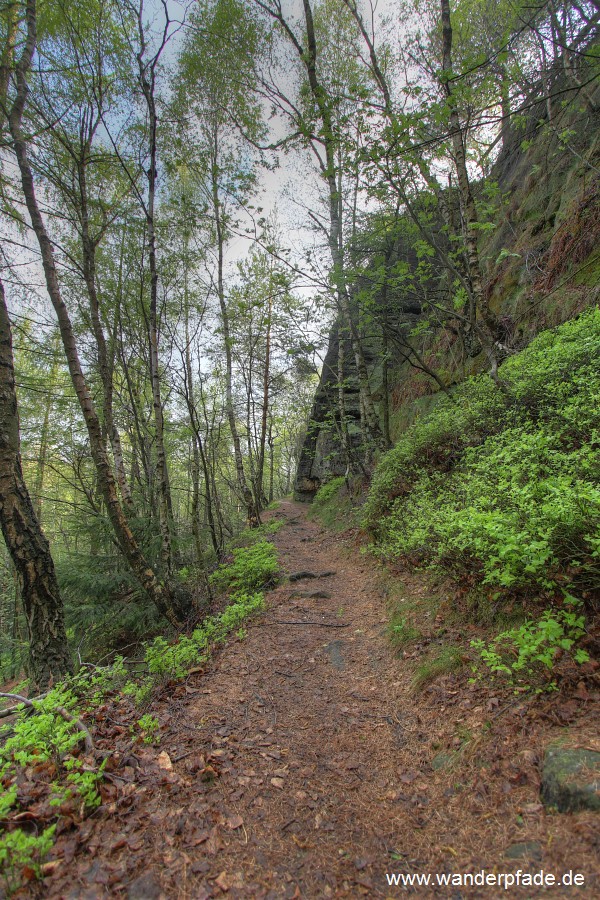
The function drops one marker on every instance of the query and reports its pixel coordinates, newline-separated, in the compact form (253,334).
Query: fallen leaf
(213,844)
(278,782)
(48,868)
(223,881)
(164,761)
(135,844)
(200,838)
(302,844)
(532,808)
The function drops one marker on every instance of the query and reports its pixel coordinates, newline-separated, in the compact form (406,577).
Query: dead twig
(9,711)
(21,701)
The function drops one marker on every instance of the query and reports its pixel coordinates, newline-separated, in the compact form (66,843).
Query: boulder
(571,778)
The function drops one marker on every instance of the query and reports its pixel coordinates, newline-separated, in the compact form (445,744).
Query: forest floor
(299,763)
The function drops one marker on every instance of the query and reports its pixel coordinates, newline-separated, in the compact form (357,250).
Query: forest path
(301,763)
(308,729)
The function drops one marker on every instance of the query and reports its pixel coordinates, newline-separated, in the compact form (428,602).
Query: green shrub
(335,504)
(253,568)
(23,853)
(555,382)
(47,735)
(250,536)
(516,507)
(244,604)
(521,652)
(171,661)
(168,661)
(80,783)
(150,729)
(517,512)
(434,442)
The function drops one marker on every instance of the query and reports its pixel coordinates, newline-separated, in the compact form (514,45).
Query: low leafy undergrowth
(48,771)
(526,655)
(250,536)
(252,568)
(501,491)
(335,505)
(49,775)
(328,491)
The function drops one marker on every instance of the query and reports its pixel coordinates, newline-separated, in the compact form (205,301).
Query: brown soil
(299,765)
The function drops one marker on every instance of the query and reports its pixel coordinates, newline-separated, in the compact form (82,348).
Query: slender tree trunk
(271,459)
(252,514)
(8,52)
(251,422)
(49,658)
(195,461)
(260,464)
(115,437)
(165,506)
(173,607)
(341,398)
(43,454)
(469,209)
(209,491)
(105,360)
(385,386)
(197,448)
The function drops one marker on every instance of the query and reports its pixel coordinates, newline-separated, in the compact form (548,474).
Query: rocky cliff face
(541,267)
(322,457)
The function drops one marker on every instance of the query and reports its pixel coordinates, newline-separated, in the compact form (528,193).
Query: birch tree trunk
(49,658)
(147,77)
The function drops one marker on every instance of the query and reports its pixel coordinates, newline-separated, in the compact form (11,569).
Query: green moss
(588,272)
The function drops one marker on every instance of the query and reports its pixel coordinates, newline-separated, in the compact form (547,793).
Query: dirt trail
(321,759)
